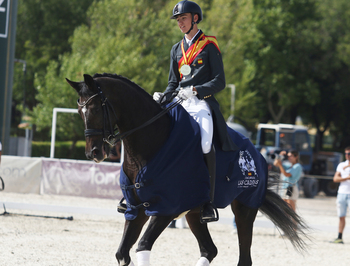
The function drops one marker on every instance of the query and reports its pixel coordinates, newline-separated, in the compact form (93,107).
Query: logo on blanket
(248,168)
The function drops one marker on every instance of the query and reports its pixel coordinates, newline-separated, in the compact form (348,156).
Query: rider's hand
(186,93)
(157,96)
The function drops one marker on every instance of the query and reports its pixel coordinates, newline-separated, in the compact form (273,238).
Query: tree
(329,112)
(132,40)
(286,57)
(289,56)
(43,30)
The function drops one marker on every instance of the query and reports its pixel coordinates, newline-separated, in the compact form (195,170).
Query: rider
(196,77)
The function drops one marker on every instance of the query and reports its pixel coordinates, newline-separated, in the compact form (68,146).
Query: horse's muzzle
(98,155)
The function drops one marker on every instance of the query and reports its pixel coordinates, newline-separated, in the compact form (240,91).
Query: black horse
(110,101)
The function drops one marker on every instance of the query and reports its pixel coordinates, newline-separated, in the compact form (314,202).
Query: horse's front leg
(132,230)
(207,247)
(155,228)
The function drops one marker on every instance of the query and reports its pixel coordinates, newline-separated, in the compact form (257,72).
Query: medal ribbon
(187,58)
(195,49)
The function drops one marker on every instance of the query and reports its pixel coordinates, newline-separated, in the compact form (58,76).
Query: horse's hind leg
(245,218)
(132,230)
(207,247)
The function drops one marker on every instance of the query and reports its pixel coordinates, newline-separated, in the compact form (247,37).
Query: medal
(185,70)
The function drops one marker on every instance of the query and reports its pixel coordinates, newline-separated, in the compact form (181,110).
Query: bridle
(108,132)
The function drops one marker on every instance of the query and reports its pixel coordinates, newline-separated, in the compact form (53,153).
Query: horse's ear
(75,85)
(89,81)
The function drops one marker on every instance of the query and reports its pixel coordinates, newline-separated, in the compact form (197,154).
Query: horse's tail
(279,212)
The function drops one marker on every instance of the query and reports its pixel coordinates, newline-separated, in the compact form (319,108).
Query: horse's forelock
(85,92)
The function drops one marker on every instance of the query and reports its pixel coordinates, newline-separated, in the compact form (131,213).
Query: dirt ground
(93,236)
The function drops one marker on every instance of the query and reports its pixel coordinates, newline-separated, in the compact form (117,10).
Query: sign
(4,17)
(61,177)
(81,178)
(21,174)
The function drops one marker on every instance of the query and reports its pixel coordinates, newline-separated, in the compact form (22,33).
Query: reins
(112,138)
(163,112)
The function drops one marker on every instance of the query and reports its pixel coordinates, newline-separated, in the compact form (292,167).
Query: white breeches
(200,111)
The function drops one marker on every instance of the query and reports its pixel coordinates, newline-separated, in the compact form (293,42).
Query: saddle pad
(177,179)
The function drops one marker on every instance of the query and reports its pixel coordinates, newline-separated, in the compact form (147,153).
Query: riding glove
(186,93)
(157,96)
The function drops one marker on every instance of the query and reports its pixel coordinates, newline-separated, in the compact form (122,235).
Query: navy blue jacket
(208,77)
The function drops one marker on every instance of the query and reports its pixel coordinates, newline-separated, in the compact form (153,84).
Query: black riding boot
(209,213)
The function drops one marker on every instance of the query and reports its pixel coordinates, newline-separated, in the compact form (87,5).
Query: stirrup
(122,206)
(212,219)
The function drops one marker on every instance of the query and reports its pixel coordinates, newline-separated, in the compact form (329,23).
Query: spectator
(291,173)
(342,176)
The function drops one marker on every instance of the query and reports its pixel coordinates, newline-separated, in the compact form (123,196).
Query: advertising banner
(81,178)
(21,174)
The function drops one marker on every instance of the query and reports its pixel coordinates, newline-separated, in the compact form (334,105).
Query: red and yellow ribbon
(192,52)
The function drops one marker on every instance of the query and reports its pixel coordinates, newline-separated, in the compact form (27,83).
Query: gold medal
(185,70)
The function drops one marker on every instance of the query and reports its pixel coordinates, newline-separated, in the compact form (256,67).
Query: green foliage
(63,149)
(228,21)
(43,30)
(116,40)
(285,57)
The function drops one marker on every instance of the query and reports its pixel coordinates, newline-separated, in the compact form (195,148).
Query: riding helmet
(187,7)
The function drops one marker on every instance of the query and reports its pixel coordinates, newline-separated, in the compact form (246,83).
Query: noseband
(108,134)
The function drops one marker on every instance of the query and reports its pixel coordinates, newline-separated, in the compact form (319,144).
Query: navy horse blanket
(177,179)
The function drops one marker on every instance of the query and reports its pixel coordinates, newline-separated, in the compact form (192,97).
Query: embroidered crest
(248,169)
(247,164)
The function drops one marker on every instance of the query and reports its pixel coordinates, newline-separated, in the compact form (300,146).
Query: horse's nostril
(94,152)
(88,156)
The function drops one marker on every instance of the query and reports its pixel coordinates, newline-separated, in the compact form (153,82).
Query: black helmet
(187,7)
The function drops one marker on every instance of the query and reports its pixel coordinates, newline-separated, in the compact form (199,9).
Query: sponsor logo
(13,172)
(248,183)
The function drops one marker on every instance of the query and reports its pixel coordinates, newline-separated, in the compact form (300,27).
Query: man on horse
(196,73)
